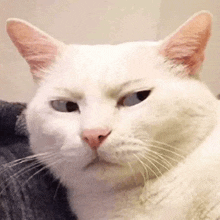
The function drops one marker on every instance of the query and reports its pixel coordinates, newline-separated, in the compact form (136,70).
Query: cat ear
(187,45)
(38,48)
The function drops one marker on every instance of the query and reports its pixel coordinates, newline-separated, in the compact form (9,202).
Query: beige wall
(97,22)
(76,21)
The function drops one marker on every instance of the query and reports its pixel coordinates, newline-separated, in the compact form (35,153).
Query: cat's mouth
(100,163)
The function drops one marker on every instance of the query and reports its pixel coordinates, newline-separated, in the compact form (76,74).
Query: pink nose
(94,137)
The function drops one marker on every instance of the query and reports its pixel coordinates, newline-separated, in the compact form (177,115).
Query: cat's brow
(114,91)
(74,94)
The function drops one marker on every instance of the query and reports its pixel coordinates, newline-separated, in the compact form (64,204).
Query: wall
(76,21)
(98,22)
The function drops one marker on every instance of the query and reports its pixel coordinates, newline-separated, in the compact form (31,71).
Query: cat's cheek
(75,151)
(118,152)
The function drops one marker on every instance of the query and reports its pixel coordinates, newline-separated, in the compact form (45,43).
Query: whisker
(167,150)
(150,143)
(35,163)
(170,146)
(179,152)
(161,156)
(153,164)
(170,158)
(20,161)
(145,166)
(154,158)
(133,173)
(145,178)
(19,173)
(58,186)
(42,169)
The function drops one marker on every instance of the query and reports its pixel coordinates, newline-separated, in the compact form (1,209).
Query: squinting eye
(135,98)
(64,106)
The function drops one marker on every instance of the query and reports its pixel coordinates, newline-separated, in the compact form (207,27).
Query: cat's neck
(109,204)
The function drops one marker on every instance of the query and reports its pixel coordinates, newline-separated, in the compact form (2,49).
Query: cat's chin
(98,162)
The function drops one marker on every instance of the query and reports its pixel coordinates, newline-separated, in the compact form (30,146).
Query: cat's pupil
(134,98)
(71,106)
(64,106)
(143,95)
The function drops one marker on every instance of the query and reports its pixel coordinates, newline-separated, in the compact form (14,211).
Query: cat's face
(103,82)
(150,107)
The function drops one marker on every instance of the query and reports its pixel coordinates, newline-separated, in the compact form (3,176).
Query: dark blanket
(23,195)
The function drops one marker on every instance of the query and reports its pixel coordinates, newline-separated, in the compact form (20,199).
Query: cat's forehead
(111,65)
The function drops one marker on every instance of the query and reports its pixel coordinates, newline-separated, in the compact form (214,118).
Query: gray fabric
(20,125)
(25,192)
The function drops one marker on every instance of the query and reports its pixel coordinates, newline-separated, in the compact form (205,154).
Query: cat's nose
(94,137)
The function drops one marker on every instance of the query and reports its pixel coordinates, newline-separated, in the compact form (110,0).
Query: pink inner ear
(40,56)
(39,49)
(187,45)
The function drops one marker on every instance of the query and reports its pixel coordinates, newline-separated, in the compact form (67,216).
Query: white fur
(180,112)
(161,160)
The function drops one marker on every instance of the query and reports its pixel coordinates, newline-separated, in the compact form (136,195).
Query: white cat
(129,129)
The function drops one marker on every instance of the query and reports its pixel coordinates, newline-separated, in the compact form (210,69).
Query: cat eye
(134,98)
(64,106)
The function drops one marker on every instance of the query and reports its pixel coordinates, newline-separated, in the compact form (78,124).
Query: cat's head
(115,112)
